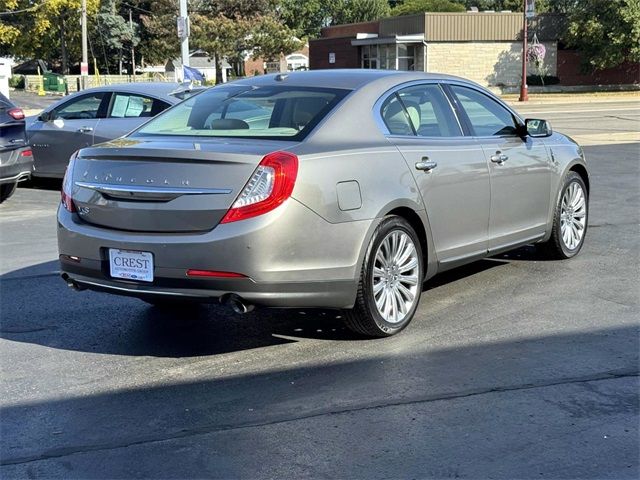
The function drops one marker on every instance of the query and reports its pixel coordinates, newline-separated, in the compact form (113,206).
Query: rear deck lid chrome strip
(140,192)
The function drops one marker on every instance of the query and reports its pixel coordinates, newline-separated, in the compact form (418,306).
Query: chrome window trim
(377,113)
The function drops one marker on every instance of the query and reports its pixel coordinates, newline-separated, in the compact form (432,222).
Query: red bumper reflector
(26,153)
(213,273)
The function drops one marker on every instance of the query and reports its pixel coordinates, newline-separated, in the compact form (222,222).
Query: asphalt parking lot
(514,367)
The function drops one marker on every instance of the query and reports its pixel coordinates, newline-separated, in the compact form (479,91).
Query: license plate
(131,265)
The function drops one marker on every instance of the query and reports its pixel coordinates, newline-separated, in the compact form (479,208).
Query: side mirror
(45,116)
(538,128)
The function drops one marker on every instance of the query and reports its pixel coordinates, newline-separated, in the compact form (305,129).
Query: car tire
(390,283)
(6,190)
(570,220)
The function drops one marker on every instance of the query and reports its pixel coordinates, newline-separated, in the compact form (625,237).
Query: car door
(126,112)
(64,129)
(449,169)
(519,168)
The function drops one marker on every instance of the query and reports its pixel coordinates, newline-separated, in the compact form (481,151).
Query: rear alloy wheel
(391,281)
(570,219)
(6,190)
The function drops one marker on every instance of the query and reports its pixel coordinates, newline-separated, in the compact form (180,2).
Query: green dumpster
(54,82)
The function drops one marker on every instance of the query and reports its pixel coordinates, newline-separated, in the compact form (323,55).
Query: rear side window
(395,117)
(421,110)
(429,111)
(245,112)
(128,105)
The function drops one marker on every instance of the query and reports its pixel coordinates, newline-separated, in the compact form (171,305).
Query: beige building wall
(487,63)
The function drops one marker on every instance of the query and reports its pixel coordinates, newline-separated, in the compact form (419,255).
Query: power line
(137,8)
(24,10)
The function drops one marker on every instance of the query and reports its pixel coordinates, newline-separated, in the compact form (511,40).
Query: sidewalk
(578,97)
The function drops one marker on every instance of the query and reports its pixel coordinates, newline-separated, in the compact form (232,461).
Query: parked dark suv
(16,160)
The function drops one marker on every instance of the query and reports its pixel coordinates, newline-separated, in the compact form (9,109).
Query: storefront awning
(418,38)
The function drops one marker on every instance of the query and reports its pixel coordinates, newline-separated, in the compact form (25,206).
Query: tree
(410,7)
(497,5)
(232,28)
(354,11)
(157,21)
(305,18)
(270,39)
(48,30)
(113,34)
(9,32)
(606,32)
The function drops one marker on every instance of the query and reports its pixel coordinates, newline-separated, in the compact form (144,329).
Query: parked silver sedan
(343,189)
(93,116)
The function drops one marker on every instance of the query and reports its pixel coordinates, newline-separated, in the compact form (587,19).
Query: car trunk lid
(164,185)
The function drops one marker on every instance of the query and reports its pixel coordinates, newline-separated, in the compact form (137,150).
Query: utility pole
(133,52)
(524,91)
(183,32)
(84,66)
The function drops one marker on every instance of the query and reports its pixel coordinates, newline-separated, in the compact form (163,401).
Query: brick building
(483,46)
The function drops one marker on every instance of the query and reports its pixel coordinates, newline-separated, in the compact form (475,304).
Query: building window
(406,57)
(387,57)
(370,56)
(272,67)
(399,56)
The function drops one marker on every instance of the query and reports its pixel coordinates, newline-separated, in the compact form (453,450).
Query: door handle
(426,165)
(85,129)
(499,158)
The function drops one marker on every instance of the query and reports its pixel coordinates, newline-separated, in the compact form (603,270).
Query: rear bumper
(14,167)
(291,257)
(329,294)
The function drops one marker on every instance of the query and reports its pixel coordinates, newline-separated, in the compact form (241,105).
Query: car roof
(351,79)
(156,89)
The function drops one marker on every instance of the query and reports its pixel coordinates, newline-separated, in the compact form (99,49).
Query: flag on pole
(192,74)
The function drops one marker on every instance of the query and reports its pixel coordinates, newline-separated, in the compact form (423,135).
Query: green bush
(17,81)
(537,80)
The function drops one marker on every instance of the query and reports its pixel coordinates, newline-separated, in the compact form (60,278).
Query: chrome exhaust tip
(238,304)
(71,283)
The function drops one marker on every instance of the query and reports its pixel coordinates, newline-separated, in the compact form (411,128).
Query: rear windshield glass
(273,112)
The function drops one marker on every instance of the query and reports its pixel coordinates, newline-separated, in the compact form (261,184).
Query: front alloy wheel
(390,282)
(573,215)
(570,219)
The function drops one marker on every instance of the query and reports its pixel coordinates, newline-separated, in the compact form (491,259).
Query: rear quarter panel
(348,146)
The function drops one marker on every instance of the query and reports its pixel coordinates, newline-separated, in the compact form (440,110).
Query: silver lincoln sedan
(338,189)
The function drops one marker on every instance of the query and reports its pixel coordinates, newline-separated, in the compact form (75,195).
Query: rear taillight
(16,113)
(67,186)
(26,153)
(269,186)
